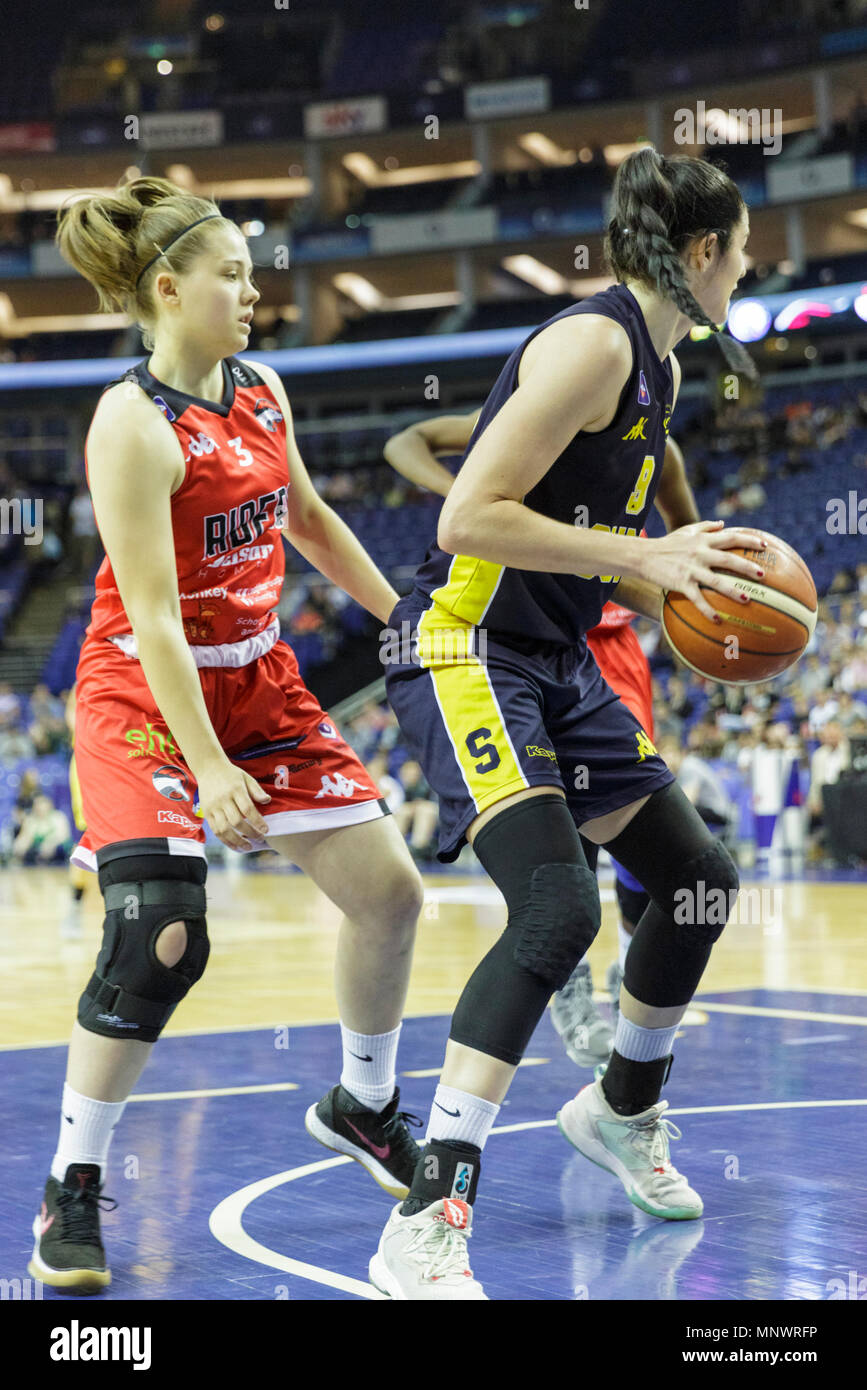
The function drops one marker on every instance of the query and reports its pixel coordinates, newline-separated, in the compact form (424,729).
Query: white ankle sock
(623,943)
(369,1066)
(642,1044)
(459,1115)
(85,1131)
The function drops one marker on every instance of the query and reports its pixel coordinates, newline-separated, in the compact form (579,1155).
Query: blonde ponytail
(110,238)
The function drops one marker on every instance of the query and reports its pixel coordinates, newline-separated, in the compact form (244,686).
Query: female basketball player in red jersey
(586,1033)
(183,685)
(525,744)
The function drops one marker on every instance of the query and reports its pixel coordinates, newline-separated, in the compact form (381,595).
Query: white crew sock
(624,941)
(85,1131)
(369,1066)
(458,1115)
(642,1044)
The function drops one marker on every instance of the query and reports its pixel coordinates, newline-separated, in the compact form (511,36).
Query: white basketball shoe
(633,1147)
(425,1256)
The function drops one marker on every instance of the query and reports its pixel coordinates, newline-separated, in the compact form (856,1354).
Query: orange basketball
(755,640)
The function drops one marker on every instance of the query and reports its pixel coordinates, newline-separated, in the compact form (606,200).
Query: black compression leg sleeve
(692,884)
(533,853)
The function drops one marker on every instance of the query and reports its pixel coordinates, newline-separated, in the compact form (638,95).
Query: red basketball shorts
(624,666)
(136,785)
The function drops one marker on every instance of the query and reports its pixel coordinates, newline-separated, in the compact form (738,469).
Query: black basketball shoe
(69,1253)
(381,1143)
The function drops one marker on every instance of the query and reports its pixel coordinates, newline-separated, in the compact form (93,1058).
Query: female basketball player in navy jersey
(524,743)
(184,685)
(587,1035)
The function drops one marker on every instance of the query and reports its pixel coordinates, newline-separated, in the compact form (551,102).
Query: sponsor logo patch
(172,782)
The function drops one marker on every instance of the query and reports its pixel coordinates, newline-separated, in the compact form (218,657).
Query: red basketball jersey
(622,662)
(227,514)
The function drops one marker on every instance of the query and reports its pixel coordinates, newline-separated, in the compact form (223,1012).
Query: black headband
(172,240)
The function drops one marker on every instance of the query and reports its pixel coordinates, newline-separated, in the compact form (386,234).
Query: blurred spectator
(701,784)
(680,702)
(418,815)
(83,535)
(45,833)
(44,705)
(15,743)
(849,711)
(823,710)
(391,789)
(829,760)
(10,706)
(49,735)
(843,582)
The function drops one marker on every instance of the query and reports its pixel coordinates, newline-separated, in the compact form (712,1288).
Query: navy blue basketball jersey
(606,480)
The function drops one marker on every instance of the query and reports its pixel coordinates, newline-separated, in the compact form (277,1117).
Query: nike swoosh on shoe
(376,1149)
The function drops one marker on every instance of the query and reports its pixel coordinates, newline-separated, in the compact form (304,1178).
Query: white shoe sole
(87,1280)
(325,1136)
(597,1153)
(382,1279)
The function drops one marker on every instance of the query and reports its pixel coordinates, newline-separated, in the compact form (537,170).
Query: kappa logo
(666,416)
(267,414)
(337,786)
(172,782)
(646,746)
(534,751)
(643,393)
(637,430)
(172,818)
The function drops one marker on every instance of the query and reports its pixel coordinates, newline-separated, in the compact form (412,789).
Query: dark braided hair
(657,207)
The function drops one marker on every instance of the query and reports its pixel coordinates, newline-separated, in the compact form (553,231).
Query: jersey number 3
(245,458)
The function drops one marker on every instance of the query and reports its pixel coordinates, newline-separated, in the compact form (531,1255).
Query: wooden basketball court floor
(222,1195)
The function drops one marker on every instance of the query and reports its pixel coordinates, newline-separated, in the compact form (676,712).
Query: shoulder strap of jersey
(243,373)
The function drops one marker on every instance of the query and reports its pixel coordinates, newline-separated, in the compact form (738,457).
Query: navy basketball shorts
(485,720)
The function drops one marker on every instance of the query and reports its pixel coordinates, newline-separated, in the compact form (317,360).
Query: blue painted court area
(226,1197)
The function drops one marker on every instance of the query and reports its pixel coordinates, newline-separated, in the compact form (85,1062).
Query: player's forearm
(411,456)
(329,545)
(640,596)
(508,533)
(173,680)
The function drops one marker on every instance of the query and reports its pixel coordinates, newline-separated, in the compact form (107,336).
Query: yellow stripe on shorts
(464,693)
(469,588)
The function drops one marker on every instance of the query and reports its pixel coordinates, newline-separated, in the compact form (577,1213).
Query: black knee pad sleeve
(559,923)
(631,902)
(533,854)
(709,887)
(131,994)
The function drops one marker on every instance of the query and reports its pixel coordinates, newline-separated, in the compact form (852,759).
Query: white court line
(598,994)
(226,1220)
(808,1042)
(225,1224)
(216,1091)
(757,1011)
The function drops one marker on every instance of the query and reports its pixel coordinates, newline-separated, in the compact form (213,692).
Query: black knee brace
(693,885)
(533,854)
(131,994)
